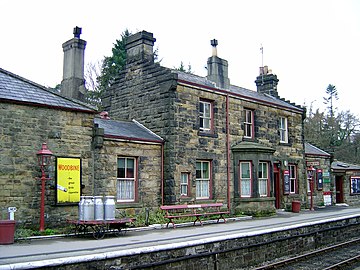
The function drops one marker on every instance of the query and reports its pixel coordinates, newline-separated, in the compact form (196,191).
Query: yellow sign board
(68,176)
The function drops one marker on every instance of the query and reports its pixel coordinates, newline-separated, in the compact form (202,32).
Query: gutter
(228,150)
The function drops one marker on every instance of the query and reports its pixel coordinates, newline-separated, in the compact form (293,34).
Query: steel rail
(311,254)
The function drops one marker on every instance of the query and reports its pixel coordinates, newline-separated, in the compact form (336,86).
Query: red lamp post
(310,175)
(44,158)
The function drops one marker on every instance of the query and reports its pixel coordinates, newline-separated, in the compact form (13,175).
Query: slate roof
(314,151)
(16,89)
(342,166)
(128,130)
(240,91)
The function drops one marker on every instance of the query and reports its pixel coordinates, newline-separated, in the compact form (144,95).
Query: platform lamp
(44,159)
(310,176)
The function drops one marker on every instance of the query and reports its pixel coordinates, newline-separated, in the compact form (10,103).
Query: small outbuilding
(346,178)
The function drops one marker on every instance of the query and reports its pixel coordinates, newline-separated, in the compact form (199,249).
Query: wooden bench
(193,210)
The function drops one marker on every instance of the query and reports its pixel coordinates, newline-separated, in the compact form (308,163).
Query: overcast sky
(308,44)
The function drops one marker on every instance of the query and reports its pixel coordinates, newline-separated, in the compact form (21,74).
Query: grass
(23,232)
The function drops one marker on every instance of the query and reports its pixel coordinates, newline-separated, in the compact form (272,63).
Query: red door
(339,189)
(277,186)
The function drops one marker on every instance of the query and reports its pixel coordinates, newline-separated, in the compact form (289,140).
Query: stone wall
(152,95)
(328,186)
(267,134)
(230,252)
(351,199)
(23,130)
(145,92)
(149,177)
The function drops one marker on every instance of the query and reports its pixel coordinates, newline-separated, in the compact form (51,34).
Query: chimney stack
(140,47)
(267,82)
(73,83)
(217,68)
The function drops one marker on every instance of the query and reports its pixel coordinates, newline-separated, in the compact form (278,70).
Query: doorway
(339,188)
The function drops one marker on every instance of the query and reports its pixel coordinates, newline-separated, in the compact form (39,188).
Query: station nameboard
(312,163)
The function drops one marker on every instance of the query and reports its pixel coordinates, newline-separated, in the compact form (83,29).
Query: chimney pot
(214,43)
(266,69)
(77,32)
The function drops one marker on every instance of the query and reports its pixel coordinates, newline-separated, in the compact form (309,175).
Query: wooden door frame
(339,188)
(277,188)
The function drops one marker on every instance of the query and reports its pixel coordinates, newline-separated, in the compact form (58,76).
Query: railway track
(342,256)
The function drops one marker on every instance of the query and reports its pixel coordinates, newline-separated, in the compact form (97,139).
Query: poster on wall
(355,185)
(326,177)
(68,180)
(319,177)
(286,182)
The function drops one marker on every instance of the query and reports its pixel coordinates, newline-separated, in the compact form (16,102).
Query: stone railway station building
(167,137)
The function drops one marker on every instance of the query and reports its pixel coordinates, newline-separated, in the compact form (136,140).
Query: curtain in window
(245,179)
(203,179)
(126,179)
(263,179)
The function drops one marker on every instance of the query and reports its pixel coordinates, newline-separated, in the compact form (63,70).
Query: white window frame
(203,179)
(184,184)
(126,185)
(245,179)
(249,124)
(283,128)
(293,178)
(205,115)
(263,179)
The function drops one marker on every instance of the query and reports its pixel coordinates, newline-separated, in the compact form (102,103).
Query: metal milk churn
(89,208)
(98,208)
(81,208)
(109,206)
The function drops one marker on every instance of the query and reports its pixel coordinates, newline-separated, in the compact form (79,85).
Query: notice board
(319,177)
(286,182)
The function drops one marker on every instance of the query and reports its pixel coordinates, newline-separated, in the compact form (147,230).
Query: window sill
(208,200)
(284,143)
(249,139)
(120,205)
(185,199)
(253,199)
(207,134)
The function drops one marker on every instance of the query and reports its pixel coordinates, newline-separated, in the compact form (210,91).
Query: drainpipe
(228,150)
(162,173)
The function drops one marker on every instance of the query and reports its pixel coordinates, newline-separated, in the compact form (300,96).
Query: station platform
(51,251)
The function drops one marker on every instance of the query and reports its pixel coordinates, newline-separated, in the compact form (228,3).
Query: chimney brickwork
(267,82)
(73,83)
(140,47)
(217,68)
